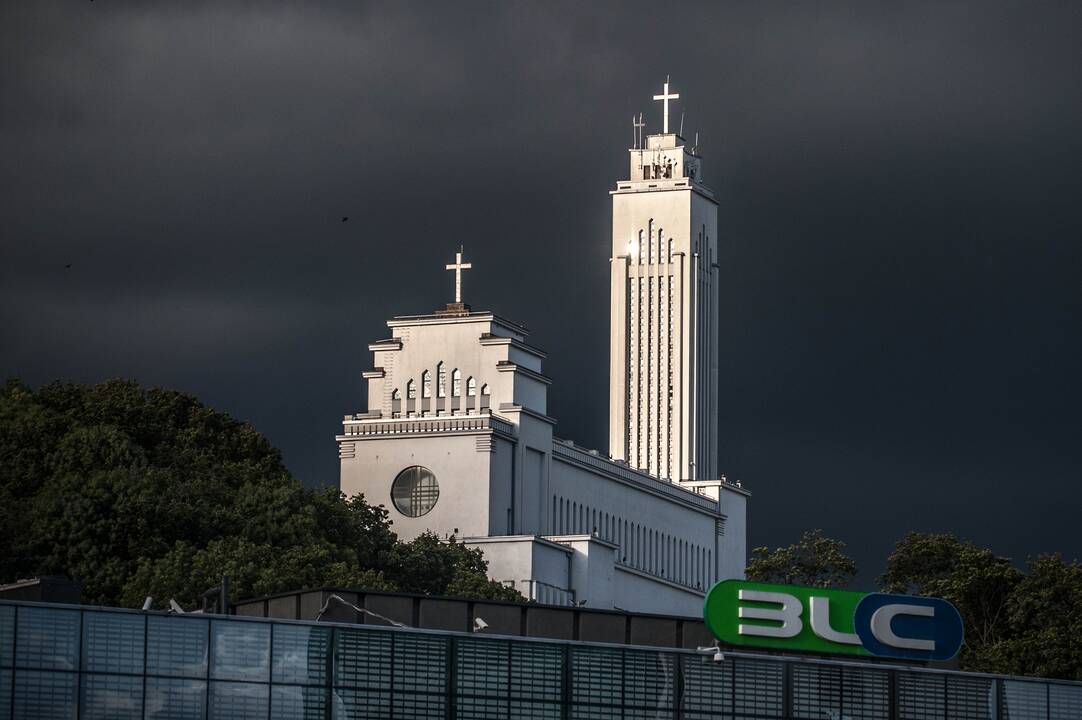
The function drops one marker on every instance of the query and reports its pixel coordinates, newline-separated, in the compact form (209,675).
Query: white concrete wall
(519,559)
(637,593)
(466,501)
(652,532)
(683,210)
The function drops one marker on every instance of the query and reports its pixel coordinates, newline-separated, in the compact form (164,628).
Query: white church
(457,438)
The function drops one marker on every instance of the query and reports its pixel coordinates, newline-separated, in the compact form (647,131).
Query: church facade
(457,438)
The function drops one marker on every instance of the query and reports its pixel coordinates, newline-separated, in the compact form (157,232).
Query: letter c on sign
(903,626)
(884,633)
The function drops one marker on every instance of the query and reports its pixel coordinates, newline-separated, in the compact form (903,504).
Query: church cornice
(512,408)
(490,339)
(652,186)
(591,460)
(373,374)
(384,345)
(473,317)
(508,366)
(384,428)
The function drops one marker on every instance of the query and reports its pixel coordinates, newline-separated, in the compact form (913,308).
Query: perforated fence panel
(85,664)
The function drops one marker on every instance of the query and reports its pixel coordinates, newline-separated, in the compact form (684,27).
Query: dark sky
(901,217)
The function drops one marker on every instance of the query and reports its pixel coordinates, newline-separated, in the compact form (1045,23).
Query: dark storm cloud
(898,189)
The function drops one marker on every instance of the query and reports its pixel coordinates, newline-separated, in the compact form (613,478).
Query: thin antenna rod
(634,132)
(681,123)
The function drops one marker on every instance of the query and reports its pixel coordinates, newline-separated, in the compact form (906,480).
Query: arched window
(411,389)
(484,389)
(426,384)
(471,386)
(456,383)
(441,380)
(396,395)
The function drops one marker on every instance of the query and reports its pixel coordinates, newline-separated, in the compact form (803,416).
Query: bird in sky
(345,217)
(68,266)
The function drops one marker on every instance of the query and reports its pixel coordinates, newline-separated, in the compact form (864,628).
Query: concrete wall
(466,504)
(651,532)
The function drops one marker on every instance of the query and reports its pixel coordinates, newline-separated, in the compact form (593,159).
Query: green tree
(1045,612)
(429,565)
(814,561)
(149,492)
(975,580)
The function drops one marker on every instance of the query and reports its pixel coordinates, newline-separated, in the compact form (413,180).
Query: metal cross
(665,97)
(458,267)
(639,125)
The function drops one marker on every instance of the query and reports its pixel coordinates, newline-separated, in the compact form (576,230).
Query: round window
(415,491)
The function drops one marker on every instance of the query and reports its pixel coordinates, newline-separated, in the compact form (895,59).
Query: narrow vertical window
(484,389)
(411,390)
(456,383)
(396,395)
(426,384)
(471,386)
(441,380)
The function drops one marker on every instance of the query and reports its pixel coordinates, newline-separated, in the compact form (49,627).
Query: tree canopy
(139,492)
(1026,622)
(1017,621)
(815,561)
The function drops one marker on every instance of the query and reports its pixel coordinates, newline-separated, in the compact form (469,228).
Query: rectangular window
(113,642)
(238,701)
(47,638)
(289,702)
(177,646)
(241,650)
(43,695)
(116,697)
(176,699)
(300,655)
(7,635)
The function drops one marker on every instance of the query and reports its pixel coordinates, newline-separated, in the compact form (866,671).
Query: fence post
(452,679)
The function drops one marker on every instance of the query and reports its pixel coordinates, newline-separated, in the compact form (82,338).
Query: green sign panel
(784,617)
(790,617)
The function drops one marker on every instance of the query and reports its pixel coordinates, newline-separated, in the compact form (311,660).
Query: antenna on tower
(681,123)
(696,146)
(638,125)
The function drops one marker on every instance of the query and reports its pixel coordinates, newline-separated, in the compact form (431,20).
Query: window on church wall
(456,383)
(471,386)
(426,384)
(415,491)
(411,390)
(441,380)
(396,395)
(484,389)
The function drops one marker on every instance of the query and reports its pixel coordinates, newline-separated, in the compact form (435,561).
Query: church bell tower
(663,375)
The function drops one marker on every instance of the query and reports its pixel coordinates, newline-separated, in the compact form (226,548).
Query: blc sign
(790,617)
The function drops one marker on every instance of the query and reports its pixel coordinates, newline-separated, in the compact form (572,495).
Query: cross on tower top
(458,266)
(665,97)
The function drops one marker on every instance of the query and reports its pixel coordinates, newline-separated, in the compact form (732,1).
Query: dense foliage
(141,492)
(1021,622)
(814,561)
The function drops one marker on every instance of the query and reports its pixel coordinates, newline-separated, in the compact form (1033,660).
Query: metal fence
(87,663)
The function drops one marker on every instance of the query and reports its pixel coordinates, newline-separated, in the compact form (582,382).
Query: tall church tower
(663,375)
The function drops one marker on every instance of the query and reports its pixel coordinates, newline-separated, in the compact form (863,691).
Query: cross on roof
(458,266)
(665,97)
(638,125)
